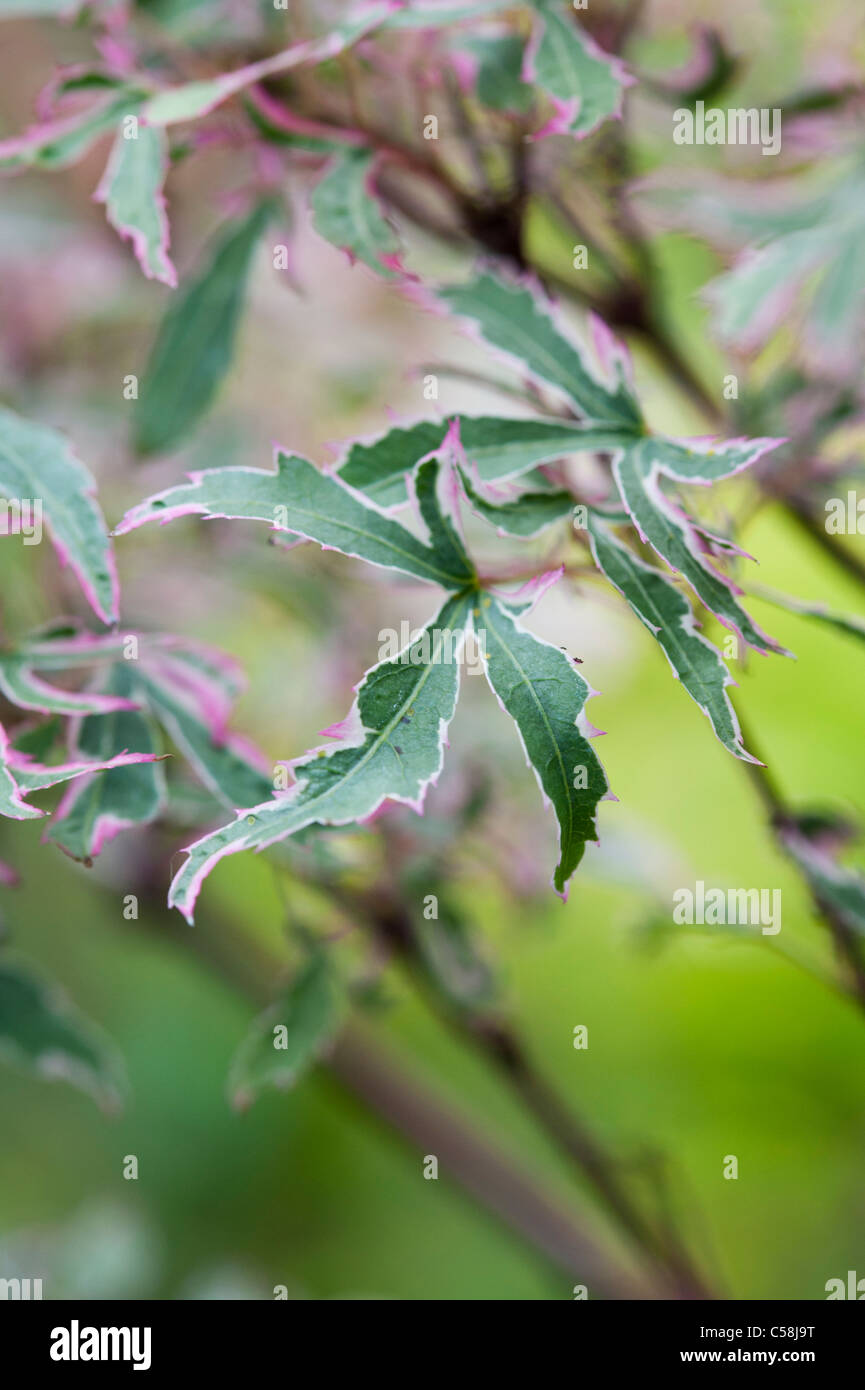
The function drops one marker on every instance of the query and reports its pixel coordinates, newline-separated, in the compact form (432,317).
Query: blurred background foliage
(700,1045)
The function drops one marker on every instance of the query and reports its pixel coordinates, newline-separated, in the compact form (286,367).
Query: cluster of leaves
(146,693)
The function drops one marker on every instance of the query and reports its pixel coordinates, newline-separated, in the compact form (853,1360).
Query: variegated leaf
(545,696)
(671,532)
(300,499)
(499,448)
(132,191)
(515,321)
(390,747)
(667,614)
(346,212)
(38,469)
(584,83)
(95,809)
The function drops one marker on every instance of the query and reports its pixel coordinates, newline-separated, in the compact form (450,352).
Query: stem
(391,922)
(782,817)
(804,517)
(407,1106)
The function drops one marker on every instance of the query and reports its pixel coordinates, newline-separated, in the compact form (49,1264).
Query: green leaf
(21,774)
(195,99)
(667,614)
(498,448)
(22,687)
(38,466)
(97,808)
(391,748)
(131,190)
(195,343)
(514,321)
(670,531)
(843,622)
(584,83)
(289,1037)
(499,84)
(751,299)
(444,537)
(57,144)
(299,499)
(523,516)
(346,212)
(41,1032)
(226,765)
(537,684)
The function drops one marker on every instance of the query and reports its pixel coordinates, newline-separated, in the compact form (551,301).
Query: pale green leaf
(131,190)
(346,212)
(585,83)
(525,515)
(38,466)
(289,1037)
(42,1033)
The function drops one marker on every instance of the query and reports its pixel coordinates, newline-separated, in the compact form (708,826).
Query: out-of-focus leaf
(21,774)
(346,212)
(584,83)
(391,746)
(41,1032)
(188,688)
(843,622)
(195,342)
(289,1037)
(538,686)
(57,144)
(38,466)
(514,321)
(95,809)
(228,765)
(499,81)
(22,687)
(803,259)
(131,190)
(837,889)
(195,99)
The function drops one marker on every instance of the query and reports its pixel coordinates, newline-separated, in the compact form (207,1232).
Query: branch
(782,819)
(428,1125)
